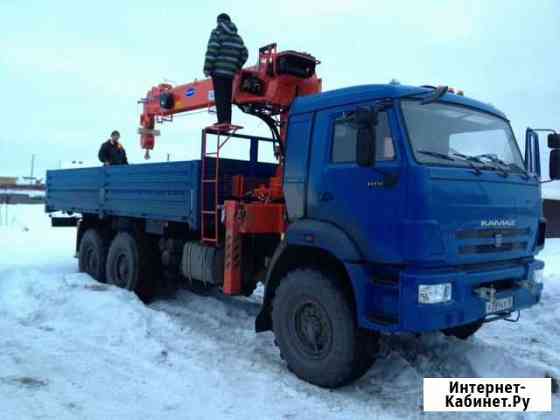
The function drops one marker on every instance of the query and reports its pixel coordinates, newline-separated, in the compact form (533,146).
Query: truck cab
(445,213)
(439,231)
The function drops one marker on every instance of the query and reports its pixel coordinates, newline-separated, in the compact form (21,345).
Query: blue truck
(408,209)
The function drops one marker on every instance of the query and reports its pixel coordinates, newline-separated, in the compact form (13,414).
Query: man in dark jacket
(112,152)
(225,56)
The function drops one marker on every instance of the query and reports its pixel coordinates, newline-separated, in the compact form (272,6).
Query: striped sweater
(226,53)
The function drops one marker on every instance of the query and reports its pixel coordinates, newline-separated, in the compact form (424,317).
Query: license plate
(499,305)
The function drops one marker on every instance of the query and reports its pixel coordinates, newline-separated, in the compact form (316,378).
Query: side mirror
(364,120)
(554,141)
(362,117)
(554,167)
(365,146)
(366,117)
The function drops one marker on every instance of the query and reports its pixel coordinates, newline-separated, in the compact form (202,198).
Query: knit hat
(223,17)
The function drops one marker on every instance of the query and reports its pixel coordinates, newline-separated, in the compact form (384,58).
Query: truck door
(366,202)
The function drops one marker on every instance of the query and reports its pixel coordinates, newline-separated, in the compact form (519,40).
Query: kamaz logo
(497,223)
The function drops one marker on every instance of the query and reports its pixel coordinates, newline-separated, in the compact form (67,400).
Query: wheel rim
(121,270)
(313,330)
(91,262)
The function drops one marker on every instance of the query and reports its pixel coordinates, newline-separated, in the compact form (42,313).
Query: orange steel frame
(266,213)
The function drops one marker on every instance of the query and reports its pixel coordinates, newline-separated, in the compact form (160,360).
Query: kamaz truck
(390,209)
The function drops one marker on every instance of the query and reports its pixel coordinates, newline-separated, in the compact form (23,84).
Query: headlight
(434,293)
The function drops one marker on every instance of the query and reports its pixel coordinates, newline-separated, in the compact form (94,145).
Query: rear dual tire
(133,265)
(315,329)
(93,254)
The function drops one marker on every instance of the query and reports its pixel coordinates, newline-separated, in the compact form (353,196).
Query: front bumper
(393,306)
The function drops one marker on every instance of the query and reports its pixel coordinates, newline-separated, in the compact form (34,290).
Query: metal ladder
(209,188)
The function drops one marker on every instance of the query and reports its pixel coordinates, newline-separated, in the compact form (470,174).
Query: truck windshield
(454,135)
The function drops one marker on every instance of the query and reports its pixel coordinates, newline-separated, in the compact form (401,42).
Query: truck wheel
(93,254)
(130,265)
(464,331)
(315,330)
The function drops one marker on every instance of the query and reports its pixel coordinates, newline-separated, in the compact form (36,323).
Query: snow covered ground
(73,348)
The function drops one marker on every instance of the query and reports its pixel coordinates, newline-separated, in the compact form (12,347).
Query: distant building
(8,180)
(14,191)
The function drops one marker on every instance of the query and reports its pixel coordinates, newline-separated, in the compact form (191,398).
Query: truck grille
(490,233)
(489,248)
(505,240)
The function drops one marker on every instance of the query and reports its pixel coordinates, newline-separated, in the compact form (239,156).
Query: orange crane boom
(265,90)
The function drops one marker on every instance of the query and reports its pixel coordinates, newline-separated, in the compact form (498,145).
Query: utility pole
(32,167)
(4,217)
(168,157)
(6,207)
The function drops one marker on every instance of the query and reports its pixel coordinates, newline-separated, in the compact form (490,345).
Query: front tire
(131,265)
(93,255)
(314,326)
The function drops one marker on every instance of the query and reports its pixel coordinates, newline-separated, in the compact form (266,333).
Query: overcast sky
(70,71)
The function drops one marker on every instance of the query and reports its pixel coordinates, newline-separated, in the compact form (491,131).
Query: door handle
(326,196)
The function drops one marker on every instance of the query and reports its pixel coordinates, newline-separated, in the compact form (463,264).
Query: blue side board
(161,191)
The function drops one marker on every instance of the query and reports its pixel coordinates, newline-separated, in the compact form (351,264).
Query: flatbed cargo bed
(158,191)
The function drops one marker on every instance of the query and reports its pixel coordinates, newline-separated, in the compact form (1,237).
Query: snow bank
(74,348)
(26,238)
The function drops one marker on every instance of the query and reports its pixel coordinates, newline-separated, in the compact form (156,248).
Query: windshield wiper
(466,159)
(498,163)
(491,157)
(470,160)
(494,159)
(436,154)
(511,166)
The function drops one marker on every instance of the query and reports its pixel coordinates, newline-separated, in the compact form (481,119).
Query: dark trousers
(222,95)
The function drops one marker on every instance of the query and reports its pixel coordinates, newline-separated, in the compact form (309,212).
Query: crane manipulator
(266,91)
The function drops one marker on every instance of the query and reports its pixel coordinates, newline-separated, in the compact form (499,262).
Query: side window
(344,142)
(345,136)
(385,146)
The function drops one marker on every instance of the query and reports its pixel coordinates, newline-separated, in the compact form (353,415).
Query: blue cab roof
(363,93)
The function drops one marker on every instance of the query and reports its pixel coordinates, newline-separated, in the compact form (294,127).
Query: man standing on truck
(112,151)
(225,56)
